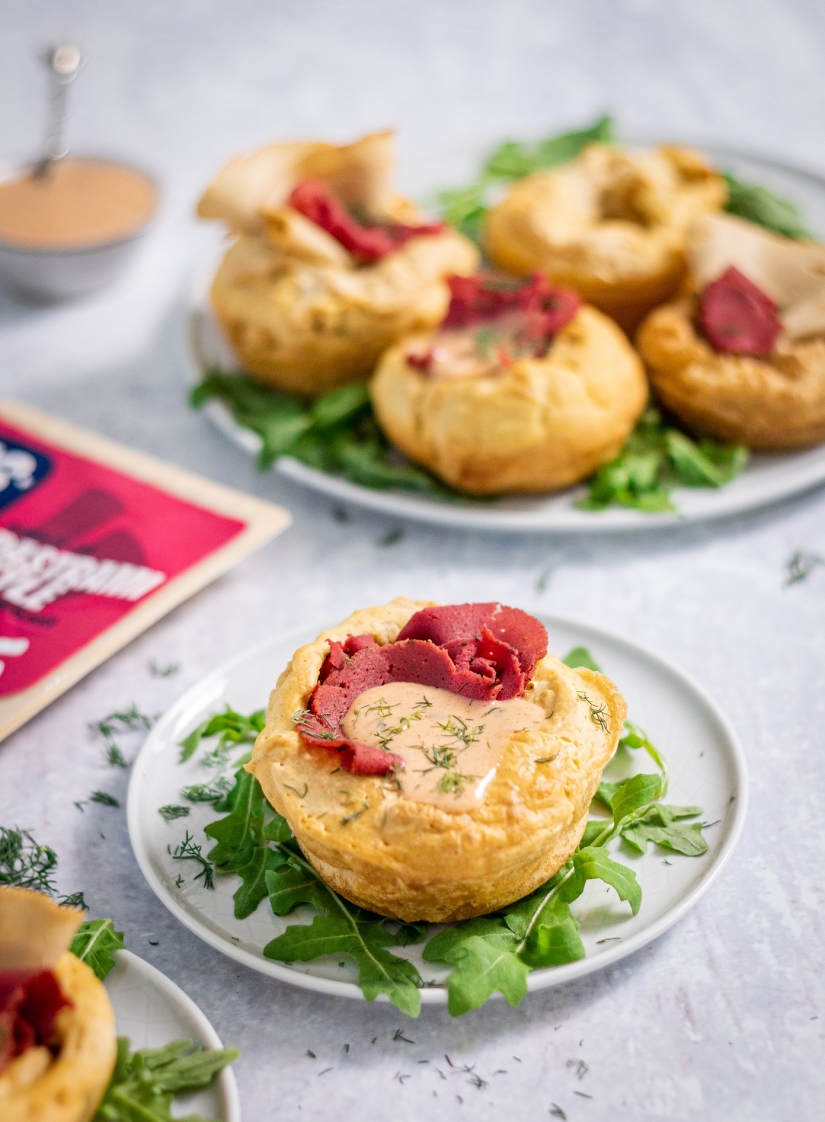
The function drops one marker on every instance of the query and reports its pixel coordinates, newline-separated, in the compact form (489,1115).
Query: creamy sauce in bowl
(450,745)
(80,203)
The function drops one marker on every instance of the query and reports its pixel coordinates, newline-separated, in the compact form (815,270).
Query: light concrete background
(722,1017)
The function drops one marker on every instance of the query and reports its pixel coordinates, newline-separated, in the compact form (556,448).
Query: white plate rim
(178,998)
(799,472)
(430,995)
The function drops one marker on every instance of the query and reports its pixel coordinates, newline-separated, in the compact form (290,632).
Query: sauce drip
(81,203)
(450,745)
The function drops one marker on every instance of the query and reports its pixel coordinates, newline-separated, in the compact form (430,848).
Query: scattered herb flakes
(104,798)
(655,459)
(128,720)
(392,538)
(556,1111)
(579,1067)
(171,812)
(94,944)
(80,803)
(158,671)
(189,850)
(597,712)
(145,1083)
(800,567)
(214,793)
(544,579)
(115,757)
(311,1054)
(399,1035)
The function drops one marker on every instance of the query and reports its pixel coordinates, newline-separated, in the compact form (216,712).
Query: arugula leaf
(661,825)
(594,863)
(581,656)
(482,966)
(632,795)
(144,1084)
(234,728)
(337,433)
(656,458)
(94,943)
(466,207)
(758,204)
(292,883)
(636,737)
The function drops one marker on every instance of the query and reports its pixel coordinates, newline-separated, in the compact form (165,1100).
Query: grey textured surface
(721,1018)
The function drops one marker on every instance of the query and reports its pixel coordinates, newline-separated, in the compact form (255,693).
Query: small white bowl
(63,273)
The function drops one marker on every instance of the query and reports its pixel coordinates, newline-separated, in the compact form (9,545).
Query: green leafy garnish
(466,207)
(24,863)
(657,458)
(94,943)
(173,811)
(341,928)
(145,1083)
(129,720)
(337,433)
(234,728)
(581,656)
(758,204)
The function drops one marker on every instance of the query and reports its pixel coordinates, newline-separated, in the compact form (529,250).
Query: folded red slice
(485,652)
(29,1002)
(485,297)
(737,317)
(368,243)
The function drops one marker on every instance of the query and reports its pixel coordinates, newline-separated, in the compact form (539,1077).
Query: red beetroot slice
(737,317)
(484,297)
(482,651)
(29,1002)
(317,203)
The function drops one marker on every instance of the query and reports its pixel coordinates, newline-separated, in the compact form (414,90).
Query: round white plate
(706,764)
(152,1011)
(767,478)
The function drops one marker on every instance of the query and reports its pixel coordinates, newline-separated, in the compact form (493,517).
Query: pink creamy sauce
(450,745)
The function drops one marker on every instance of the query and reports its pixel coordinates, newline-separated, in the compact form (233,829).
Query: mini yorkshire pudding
(57,1025)
(744,359)
(524,389)
(329,267)
(609,225)
(435,763)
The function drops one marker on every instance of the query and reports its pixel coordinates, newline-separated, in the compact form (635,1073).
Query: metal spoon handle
(63,62)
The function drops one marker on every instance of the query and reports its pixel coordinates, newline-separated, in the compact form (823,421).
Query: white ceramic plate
(767,479)
(706,764)
(152,1011)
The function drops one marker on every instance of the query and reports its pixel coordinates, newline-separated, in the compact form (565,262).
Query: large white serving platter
(706,764)
(767,479)
(152,1011)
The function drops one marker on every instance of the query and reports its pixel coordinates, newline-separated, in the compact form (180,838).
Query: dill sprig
(458,729)
(173,811)
(205,793)
(24,863)
(452,782)
(129,720)
(158,671)
(800,567)
(189,850)
(597,712)
(438,756)
(104,798)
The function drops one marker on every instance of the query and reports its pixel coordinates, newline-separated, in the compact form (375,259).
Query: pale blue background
(722,1017)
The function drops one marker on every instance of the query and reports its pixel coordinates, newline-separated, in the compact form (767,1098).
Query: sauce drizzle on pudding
(450,745)
(80,203)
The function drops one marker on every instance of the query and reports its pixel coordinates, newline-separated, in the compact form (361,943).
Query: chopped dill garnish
(171,812)
(158,671)
(458,728)
(24,863)
(382,708)
(104,798)
(300,794)
(115,756)
(452,782)
(203,793)
(424,703)
(597,712)
(800,567)
(363,806)
(439,757)
(76,900)
(188,850)
(178,881)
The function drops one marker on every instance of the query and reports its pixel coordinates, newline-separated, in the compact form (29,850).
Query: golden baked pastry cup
(300,313)
(609,225)
(67,1088)
(307,327)
(536,425)
(411,860)
(769,404)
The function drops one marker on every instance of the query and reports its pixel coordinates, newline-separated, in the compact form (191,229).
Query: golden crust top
(609,225)
(536,425)
(411,859)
